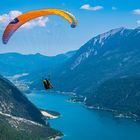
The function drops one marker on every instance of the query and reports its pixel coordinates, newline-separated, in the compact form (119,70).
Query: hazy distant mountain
(14,63)
(105,56)
(19,118)
(27,71)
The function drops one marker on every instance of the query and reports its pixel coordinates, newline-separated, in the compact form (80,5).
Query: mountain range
(15,63)
(112,55)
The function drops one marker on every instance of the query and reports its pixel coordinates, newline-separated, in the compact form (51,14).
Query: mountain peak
(111,32)
(102,37)
(96,43)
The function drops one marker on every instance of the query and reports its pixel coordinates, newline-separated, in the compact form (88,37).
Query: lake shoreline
(82,115)
(56,138)
(73,98)
(50,114)
(116,113)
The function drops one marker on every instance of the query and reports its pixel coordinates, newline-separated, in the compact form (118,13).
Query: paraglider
(26,17)
(47,84)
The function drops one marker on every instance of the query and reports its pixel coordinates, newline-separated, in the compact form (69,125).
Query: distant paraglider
(47,84)
(26,17)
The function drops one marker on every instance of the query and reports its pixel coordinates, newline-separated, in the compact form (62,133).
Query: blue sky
(56,36)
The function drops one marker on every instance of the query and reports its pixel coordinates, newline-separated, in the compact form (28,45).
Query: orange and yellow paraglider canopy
(22,19)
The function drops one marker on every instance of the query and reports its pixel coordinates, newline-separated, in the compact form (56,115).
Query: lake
(79,123)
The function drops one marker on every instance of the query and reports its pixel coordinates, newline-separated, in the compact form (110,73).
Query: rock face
(19,118)
(105,56)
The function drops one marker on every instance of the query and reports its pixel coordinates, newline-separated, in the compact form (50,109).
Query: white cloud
(88,7)
(6,18)
(114,8)
(138,22)
(13,14)
(40,22)
(136,11)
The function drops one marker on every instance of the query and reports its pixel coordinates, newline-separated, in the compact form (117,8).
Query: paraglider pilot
(47,84)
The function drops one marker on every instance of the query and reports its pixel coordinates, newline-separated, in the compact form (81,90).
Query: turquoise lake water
(80,123)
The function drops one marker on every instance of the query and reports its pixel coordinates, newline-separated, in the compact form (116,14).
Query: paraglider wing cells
(26,17)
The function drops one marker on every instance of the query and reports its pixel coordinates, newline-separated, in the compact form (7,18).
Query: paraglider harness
(47,84)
